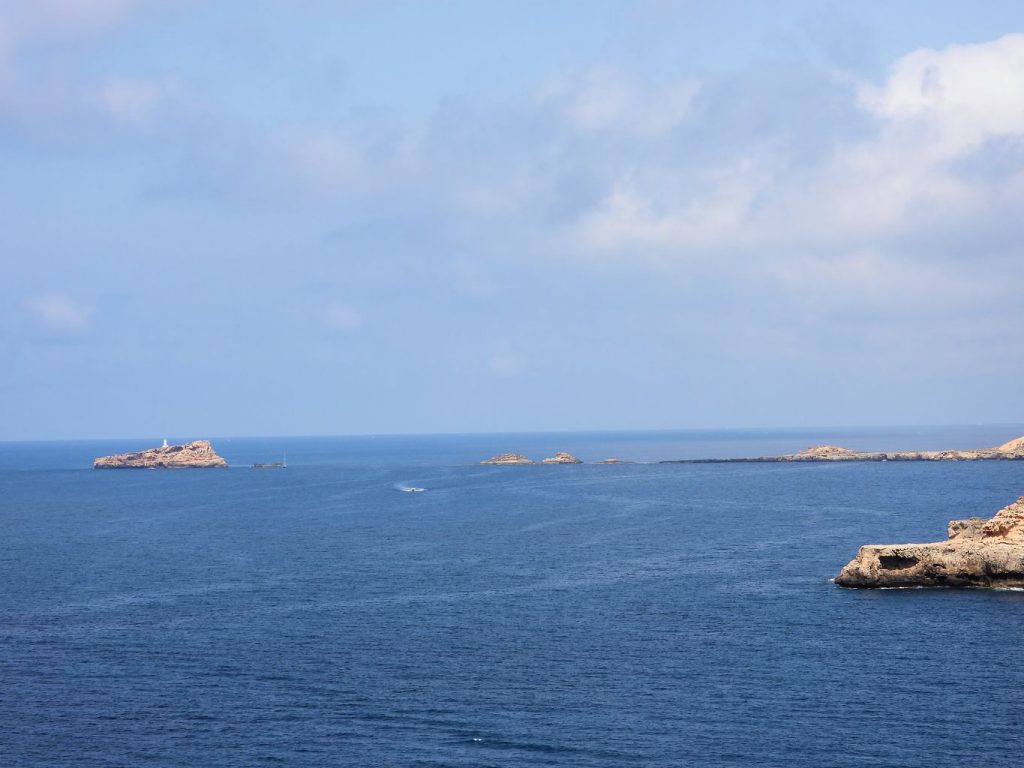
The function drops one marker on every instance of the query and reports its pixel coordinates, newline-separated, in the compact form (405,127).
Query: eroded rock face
(562,458)
(508,458)
(978,553)
(197,455)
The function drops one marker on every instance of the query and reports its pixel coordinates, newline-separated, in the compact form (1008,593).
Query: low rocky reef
(978,553)
(195,455)
(1010,451)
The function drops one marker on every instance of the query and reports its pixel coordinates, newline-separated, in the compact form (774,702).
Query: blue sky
(372,217)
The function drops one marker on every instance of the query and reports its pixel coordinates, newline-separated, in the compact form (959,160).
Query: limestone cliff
(198,454)
(978,553)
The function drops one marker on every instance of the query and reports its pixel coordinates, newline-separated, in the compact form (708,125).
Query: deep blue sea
(633,615)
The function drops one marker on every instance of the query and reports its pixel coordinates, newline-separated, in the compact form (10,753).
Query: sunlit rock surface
(198,454)
(562,458)
(1009,451)
(977,553)
(508,458)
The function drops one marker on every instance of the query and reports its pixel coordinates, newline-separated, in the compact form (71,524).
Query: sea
(642,614)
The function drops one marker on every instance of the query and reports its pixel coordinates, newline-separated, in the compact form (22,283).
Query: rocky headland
(195,455)
(977,553)
(508,458)
(562,458)
(1009,451)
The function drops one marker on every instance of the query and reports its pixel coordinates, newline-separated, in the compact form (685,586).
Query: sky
(312,217)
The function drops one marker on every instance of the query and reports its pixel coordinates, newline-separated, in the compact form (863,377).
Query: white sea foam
(408,488)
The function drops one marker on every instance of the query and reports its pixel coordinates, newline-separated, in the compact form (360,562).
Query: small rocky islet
(562,457)
(508,458)
(198,454)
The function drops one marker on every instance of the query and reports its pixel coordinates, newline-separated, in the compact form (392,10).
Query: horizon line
(657,430)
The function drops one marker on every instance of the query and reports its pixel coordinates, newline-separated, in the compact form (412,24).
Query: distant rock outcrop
(1010,451)
(508,458)
(1013,446)
(978,553)
(824,453)
(562,458)
(198,454)
(614,461)
(1014,449)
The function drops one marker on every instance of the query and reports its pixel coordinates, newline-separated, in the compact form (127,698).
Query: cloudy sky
(312,217)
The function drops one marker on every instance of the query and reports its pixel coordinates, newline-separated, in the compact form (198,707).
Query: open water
(632,615)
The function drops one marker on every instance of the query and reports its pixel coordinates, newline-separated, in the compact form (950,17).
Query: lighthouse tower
(165,443)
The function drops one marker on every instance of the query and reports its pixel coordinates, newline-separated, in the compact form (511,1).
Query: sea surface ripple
(637,614)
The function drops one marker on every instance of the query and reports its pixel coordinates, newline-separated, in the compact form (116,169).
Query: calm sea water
(644,614)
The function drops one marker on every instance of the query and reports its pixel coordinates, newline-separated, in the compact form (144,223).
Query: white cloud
(933,110)
(341,161)
(323,162)
(959,96)
(507,364)
(47,103)
(5,51)
(59,313)
(606,99)
(342,317)
(717,218)
(41,17)
(470,278)
(135,102)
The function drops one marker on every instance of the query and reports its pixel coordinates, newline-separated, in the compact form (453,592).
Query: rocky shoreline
(1009,451)
(977,553)
(195,455)
(1012,450)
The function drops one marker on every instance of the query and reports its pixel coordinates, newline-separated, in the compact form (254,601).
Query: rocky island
(508,458)
(197,454)
(517,458)
(562,458)
(1009,451)
(978,553)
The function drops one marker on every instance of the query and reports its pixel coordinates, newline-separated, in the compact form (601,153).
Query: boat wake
(408,488)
